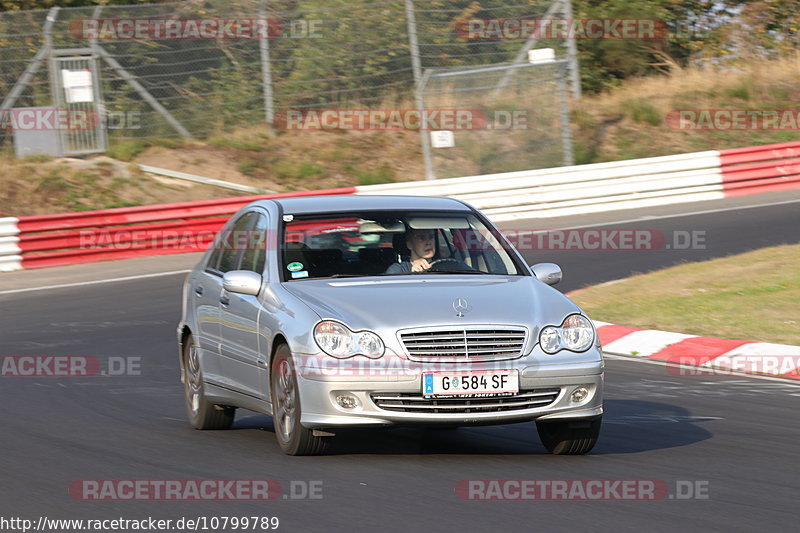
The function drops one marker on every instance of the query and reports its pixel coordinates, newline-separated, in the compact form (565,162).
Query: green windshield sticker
(294,267)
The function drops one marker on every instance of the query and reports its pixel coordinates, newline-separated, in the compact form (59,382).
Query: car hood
(405,301)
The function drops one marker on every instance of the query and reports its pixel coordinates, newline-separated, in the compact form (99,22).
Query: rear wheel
(293,438)
(202,414)
(569,437)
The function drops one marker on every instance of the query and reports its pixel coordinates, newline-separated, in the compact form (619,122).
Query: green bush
(643,112)
(126,150)
(248,167)
(225,142)
(384,174)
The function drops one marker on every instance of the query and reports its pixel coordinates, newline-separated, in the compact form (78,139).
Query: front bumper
(552,384)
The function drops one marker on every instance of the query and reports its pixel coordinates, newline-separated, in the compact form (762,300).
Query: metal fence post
(566,133)
(52,16)
(419,98)
(572,55)
(101,105)
(266,72)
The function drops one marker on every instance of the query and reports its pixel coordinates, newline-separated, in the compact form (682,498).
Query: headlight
(575,334)
(337,340)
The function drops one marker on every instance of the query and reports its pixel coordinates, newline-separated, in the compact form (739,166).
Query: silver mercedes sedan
(331,312)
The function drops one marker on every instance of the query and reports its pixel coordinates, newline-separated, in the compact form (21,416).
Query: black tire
(202,414)
(569,437)
(293,438)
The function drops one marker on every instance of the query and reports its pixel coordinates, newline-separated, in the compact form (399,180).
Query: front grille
(415,403)
(474,344)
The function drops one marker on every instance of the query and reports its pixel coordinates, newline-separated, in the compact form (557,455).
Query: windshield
(391,244)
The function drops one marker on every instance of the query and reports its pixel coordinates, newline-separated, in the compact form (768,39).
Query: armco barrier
(73,238)
(48,240)
(619,184)
(579,189)
(774,167)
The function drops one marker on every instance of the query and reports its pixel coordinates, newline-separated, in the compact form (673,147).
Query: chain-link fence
(517,118)
(195,69)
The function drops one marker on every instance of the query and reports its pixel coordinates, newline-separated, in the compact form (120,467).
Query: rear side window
(254,255)
(228,252)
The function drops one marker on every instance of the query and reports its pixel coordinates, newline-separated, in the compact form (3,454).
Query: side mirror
(242,282)
(549,273)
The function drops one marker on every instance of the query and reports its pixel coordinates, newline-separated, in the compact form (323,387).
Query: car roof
(299,205)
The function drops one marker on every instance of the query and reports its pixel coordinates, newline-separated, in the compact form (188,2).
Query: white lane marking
(659,217)
(785,381)
(659,419)
(95,282)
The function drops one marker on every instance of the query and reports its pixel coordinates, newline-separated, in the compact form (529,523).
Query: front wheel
(202,413)
(293,438)
(569,437)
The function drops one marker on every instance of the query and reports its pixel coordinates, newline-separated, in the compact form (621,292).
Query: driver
(420,243)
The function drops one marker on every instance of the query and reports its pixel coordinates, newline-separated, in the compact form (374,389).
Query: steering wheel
(451,263)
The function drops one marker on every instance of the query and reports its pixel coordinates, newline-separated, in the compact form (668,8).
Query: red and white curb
(706,355)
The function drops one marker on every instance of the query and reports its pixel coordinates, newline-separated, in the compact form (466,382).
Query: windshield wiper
(451,272)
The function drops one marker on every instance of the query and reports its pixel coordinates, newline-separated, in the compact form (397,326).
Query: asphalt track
(734,439)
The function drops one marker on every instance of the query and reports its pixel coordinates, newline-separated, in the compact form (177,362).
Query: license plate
(477,383)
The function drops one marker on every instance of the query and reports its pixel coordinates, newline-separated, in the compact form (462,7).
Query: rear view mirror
(549,273)
(242,282)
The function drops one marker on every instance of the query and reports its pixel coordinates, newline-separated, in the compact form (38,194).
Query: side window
(446,247)
(213,259)
(229,249)
(255,253)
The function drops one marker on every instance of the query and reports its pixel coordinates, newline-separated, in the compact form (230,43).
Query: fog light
(579,394)
(346,401)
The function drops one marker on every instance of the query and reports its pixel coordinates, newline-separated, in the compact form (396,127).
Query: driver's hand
(420,265)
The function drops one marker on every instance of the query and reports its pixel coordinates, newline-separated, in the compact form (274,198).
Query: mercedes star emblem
(461,307)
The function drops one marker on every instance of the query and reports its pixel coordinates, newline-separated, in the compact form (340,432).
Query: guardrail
(49,240)
(773,167)
(73,238)
(619,184)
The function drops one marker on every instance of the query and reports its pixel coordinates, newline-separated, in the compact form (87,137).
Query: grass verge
(751,296)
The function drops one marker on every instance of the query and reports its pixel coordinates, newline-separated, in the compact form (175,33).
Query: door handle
(198,290)
(224,300)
